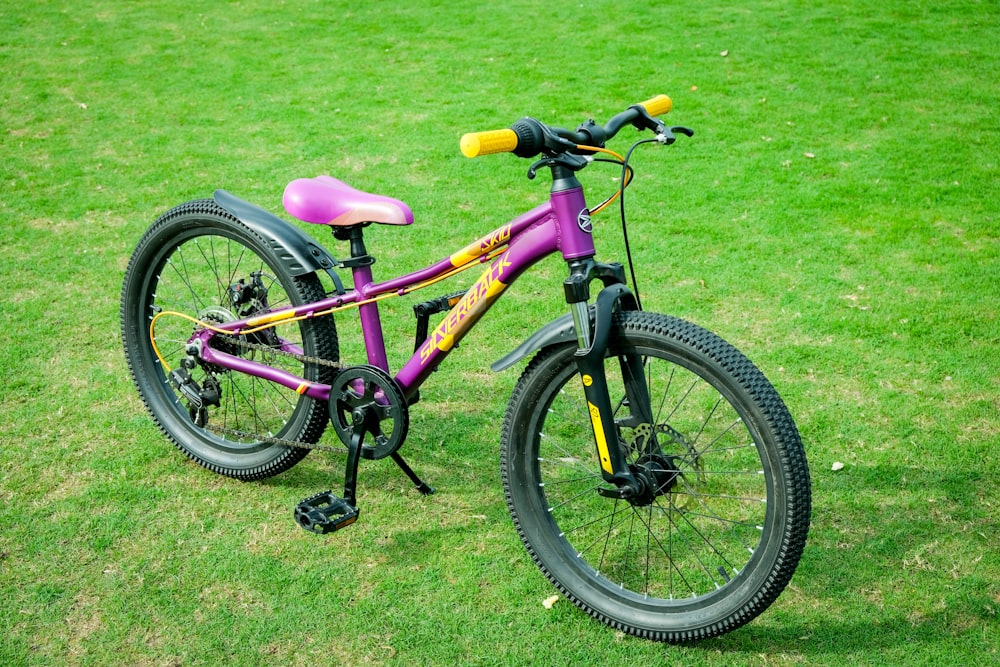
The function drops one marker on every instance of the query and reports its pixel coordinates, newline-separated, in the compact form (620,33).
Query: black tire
(718,543)
(187,262)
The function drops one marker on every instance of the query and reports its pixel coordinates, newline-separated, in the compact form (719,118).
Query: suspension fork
(592,345)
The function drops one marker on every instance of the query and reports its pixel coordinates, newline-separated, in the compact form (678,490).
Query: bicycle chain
(247,345)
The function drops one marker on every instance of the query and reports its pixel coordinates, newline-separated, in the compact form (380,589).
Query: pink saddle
(326,201)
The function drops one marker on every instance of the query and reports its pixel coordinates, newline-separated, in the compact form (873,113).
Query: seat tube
(371,324)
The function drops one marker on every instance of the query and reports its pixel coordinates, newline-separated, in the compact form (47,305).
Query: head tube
(573,221)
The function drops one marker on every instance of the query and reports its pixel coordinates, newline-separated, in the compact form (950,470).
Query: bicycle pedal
(325,513)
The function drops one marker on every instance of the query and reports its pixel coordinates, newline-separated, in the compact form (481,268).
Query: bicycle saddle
(326,201)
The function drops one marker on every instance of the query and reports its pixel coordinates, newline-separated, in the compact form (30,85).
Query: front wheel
(721,529)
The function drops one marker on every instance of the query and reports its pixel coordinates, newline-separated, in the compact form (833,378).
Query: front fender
(561,329)
(296,250)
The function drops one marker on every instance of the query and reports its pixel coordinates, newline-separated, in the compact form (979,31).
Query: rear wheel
(723,522)
(199,261)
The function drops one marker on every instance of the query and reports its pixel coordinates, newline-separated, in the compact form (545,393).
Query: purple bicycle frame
(562,224)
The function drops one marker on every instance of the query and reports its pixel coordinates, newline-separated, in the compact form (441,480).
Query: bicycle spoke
(698,534)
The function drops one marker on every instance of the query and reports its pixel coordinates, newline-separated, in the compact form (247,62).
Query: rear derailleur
(199,396)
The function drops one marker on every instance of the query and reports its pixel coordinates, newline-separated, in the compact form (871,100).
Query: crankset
(367,404)
(369,412)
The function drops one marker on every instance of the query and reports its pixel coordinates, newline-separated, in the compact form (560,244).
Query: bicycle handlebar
(658,105)
(528,137)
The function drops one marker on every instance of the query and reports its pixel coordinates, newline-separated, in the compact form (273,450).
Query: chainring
(367,405)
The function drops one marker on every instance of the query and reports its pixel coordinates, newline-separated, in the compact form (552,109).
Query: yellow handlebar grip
(657,106)
(475,144)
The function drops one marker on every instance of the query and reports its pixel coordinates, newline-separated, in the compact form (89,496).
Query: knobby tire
(727,526)
(190,261)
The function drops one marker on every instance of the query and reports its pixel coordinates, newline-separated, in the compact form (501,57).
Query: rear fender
(298,253)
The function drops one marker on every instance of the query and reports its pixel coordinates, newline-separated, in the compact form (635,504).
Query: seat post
(355,234)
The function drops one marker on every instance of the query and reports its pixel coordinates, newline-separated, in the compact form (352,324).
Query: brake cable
(627,171)
(626,178)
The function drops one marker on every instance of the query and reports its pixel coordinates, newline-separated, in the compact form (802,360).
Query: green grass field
(836,216)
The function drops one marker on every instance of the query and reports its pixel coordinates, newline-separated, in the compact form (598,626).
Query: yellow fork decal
(602,443)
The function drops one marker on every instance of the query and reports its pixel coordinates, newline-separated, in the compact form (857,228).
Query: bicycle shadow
(834,640)
(859,551)
(855,548)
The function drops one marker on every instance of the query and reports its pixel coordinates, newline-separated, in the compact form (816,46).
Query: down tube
(525,251)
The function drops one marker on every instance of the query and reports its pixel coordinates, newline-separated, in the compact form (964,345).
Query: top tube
(571,233)
(561,224)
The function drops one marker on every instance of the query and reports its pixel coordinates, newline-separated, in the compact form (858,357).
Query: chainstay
(241,342)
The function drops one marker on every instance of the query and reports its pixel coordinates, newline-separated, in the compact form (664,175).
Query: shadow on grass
(878,576)
(892,633)
(898,561)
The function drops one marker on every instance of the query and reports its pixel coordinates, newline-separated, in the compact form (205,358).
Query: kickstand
(421,485)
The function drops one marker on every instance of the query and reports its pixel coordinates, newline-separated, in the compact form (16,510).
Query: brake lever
(644,121)
(569,160)
(666,135)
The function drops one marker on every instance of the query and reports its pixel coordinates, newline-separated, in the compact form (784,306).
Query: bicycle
(652,472)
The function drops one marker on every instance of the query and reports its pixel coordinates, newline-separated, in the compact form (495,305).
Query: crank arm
(351,467)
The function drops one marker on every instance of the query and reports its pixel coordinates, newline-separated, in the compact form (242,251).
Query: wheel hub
(656,474)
